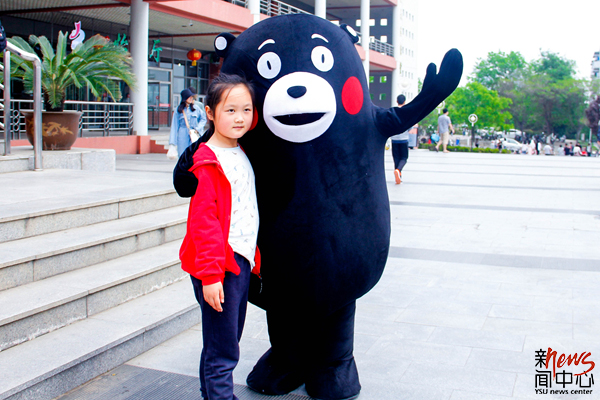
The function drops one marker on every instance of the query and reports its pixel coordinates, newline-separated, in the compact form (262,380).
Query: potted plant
(95,63)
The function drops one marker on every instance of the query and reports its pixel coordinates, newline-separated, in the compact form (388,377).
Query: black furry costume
(318,156)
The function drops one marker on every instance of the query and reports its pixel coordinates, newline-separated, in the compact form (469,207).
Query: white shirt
(243,228)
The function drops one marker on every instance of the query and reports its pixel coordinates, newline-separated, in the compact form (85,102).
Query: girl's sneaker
(398,176)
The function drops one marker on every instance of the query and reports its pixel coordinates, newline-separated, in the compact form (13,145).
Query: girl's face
(190,100)
(232,116)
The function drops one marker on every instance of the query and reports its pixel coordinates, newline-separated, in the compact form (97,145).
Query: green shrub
(464,149)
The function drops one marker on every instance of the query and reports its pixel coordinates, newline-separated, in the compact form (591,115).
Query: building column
(365,32)
(321,8)
(254,7)
(138,32)
(396,41)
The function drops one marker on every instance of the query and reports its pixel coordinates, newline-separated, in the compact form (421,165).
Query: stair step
(40,307)
(59,361)
(40,216)
(31,259)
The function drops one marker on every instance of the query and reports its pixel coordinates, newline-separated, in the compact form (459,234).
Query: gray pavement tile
(548,312)
(387,371)
(427,317)
(496,297)
(586,332)
(538,290)
(467,395)
(394,347)
(373,389)
(502,360)
(362,343)
(450,306)
(459,378)
(373,327)
(586,316)
(477,339)
(524,327)
(377,312)
(562,345)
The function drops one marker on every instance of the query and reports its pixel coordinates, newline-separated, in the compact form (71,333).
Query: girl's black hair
(182,106)
(219,87)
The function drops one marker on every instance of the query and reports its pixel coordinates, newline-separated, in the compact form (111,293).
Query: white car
(511,144)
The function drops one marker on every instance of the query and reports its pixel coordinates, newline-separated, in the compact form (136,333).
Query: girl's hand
(214,295)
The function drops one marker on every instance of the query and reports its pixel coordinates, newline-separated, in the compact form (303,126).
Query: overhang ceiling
(112,16)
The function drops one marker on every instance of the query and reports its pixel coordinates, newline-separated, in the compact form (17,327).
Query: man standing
(400,147)
(444,128)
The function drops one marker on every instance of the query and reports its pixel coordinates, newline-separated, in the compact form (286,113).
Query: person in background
(444,128)
(196,119)
(400,147)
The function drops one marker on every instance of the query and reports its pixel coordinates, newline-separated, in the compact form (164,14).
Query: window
(383,38)
(382,79)
(371,79)
(383,22)
(336,22)
(371,22)
(382,96)
(358,22)
(371,95)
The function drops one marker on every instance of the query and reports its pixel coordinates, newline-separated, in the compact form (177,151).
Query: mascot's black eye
(269,65)
(322,58)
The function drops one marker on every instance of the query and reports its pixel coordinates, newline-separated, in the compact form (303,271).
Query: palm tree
(94,62)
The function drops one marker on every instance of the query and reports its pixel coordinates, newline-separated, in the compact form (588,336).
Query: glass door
(164,105)
(153,105)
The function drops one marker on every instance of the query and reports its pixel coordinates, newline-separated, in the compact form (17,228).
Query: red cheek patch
(254,119)
(352,95)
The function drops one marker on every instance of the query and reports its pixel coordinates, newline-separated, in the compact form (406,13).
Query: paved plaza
(493,257)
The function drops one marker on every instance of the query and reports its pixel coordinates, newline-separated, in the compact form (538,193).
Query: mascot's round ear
(223,43)
(351,32)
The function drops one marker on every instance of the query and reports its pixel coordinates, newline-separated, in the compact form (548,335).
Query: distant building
(596,65)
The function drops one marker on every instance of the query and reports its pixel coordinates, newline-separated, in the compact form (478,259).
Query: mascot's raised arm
(318,156)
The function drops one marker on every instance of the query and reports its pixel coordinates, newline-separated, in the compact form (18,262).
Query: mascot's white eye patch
(269,65)
(322,58)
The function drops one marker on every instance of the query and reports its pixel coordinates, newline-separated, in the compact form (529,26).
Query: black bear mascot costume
(318,156)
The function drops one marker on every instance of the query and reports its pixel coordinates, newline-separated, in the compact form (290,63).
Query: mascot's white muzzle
(299,107)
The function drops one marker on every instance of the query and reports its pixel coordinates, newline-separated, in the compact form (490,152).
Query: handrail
(106,117)
(37,101)
(379,46)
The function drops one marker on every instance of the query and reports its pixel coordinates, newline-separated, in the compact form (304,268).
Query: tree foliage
(475,98)
(544,94)
(498,69)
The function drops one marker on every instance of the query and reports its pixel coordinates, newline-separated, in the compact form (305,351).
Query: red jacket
(205,252)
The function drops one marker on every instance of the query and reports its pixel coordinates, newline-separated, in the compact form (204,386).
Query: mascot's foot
(267,377)
(336,382)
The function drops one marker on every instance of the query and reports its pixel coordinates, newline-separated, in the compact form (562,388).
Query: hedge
(465,149)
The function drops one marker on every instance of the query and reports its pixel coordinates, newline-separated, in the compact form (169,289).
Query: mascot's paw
(334,382)
(271,378)
(447,79)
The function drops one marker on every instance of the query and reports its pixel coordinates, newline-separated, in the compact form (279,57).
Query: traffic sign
(472,119)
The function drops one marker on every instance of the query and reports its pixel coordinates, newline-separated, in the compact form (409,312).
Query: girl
(196,119)
(219,249)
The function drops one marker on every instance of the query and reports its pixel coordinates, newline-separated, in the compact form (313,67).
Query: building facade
(160,34)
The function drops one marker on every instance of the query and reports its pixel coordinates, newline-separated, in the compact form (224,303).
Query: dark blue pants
(400,154)
(221,333)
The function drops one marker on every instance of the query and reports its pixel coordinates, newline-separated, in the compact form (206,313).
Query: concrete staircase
(161,140)
(87,283)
